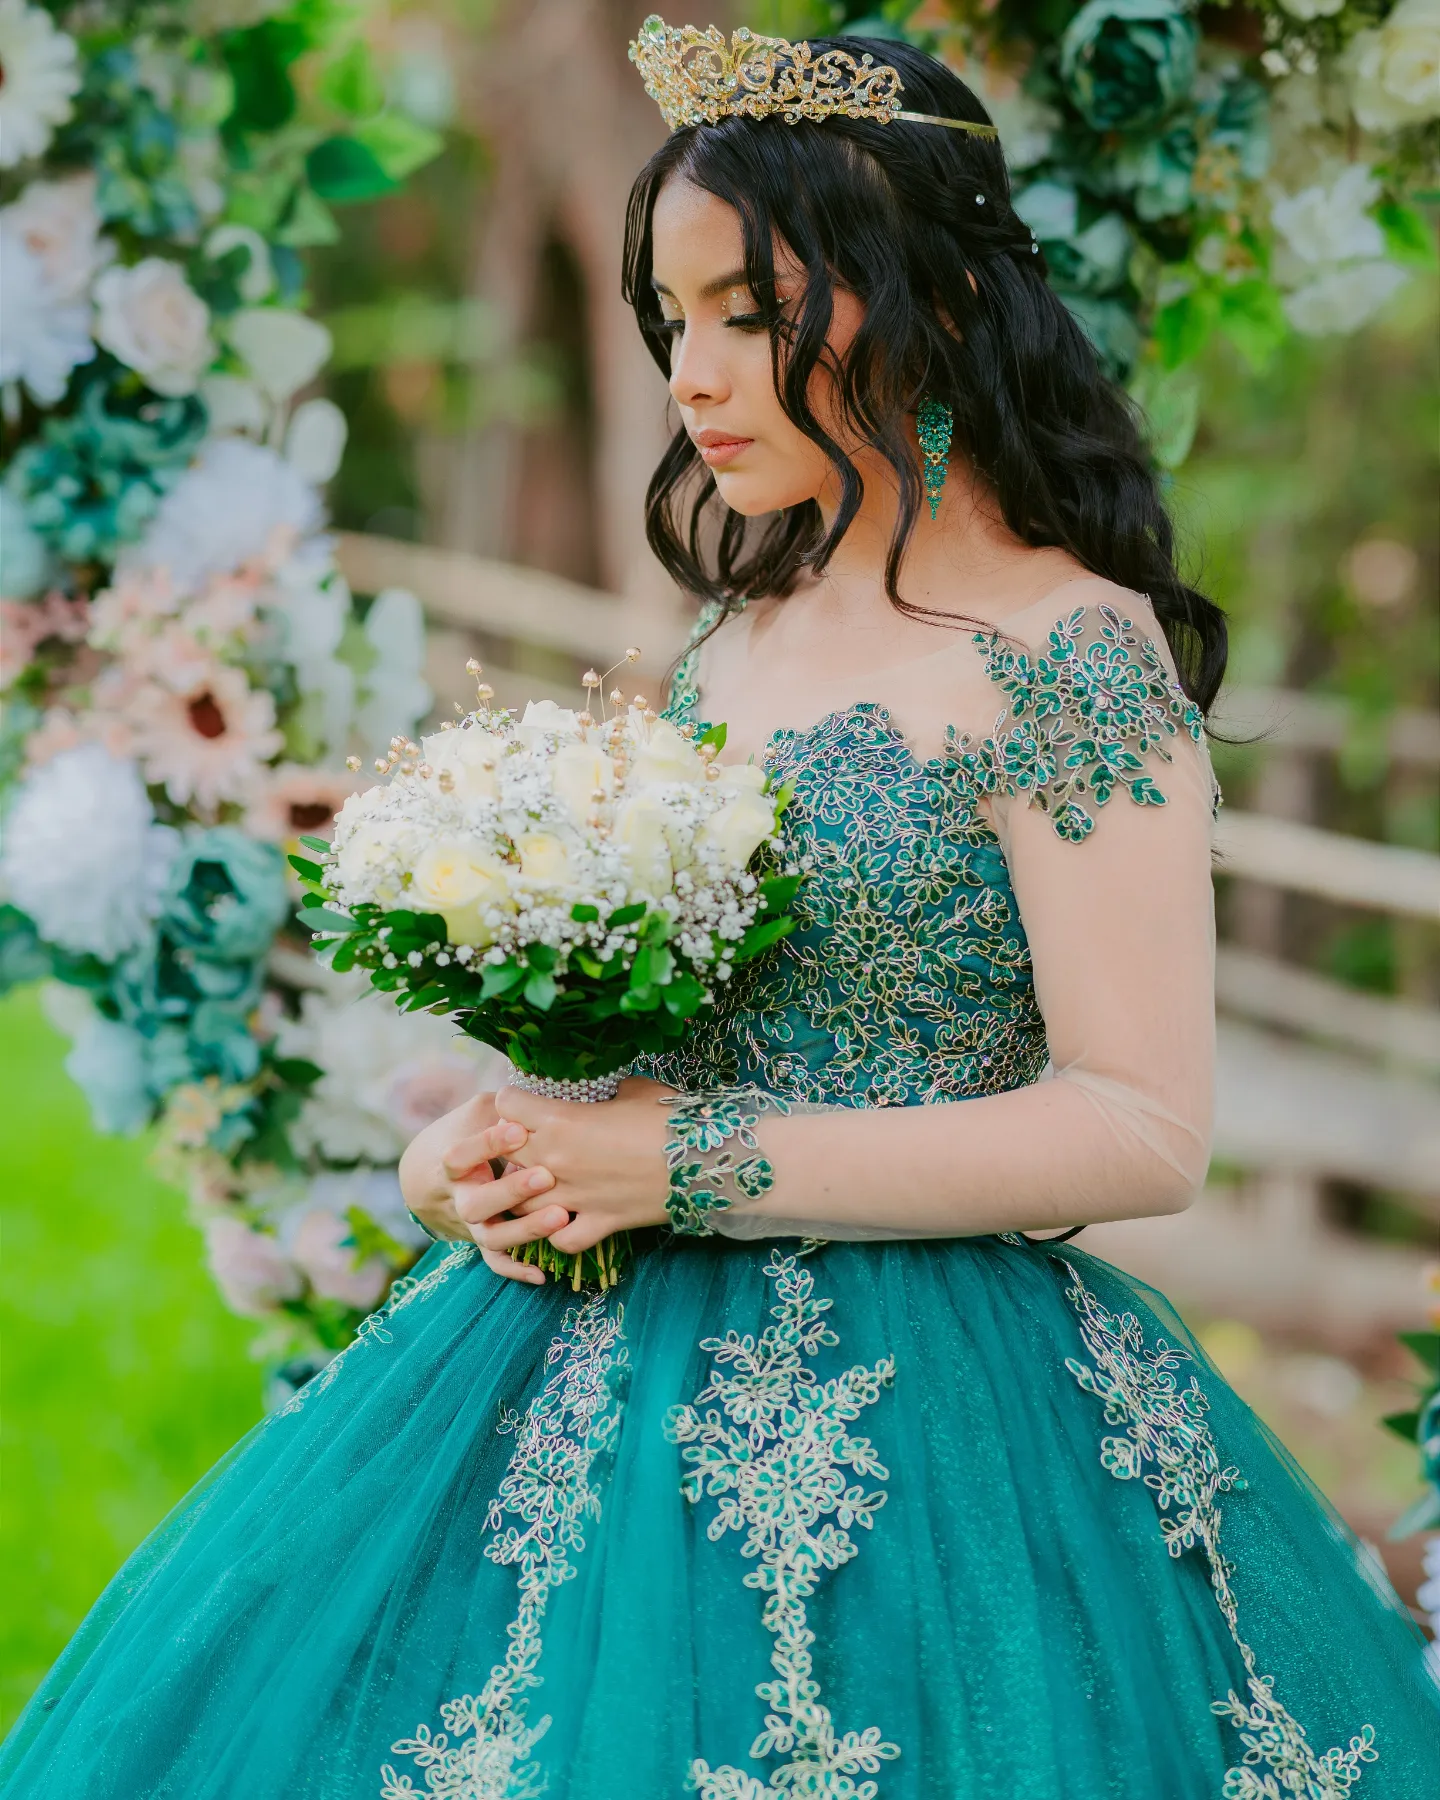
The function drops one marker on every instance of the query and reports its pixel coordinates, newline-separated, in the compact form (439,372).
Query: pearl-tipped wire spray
(592,680)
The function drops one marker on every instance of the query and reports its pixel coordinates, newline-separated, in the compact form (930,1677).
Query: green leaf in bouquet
(320,918)
(782,796)
(500,978)
(541,957)
(627,915)
(311,871)
(684,996)
(540,990)
(340,953)
(640,1000)
(779,890)
(583,913)
(715,735)
(590,965)
(432,994)
(662,966)
(318,844)
(640,976)
(760,937)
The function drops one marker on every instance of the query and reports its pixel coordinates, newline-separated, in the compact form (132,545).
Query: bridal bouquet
(569,890)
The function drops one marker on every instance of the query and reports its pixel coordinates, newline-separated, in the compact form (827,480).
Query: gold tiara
(696,78)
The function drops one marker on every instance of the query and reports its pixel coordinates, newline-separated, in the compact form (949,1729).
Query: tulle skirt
(905,1520)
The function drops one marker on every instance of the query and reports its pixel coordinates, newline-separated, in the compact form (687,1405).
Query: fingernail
(538,1180)
(512,1136)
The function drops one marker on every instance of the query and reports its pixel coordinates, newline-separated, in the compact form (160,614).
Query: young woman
(855,1489)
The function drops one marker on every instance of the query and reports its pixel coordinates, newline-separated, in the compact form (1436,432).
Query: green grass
(124,1377)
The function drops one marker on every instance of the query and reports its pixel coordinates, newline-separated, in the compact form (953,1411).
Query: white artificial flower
(283,350)
(1325,225)
(226,509)
(667,756)
(234,404)
(1312,9)
(738,778)
(544,718)
(578,772)
(738,829)
(643,831)
(460,879)
(42,340)
(1342,300)
(83,855)
(155,323)
(1395,68)
(471,757)
(385,1075)
(544,859)
(258,277)
(59,223)
(397,696)
(39,78)
(315,440)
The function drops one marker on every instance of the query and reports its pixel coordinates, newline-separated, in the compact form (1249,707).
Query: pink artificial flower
(26,624)
(226,609)
(422,1091)
(324,1250)
(138,597)
(251,1270)
(293,802)
(208,744)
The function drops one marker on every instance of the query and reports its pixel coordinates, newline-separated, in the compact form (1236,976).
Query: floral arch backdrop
(184,670)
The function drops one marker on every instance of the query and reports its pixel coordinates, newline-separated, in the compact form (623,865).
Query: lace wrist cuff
(709,1171)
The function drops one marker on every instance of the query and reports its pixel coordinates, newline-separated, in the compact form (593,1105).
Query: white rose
(1342,300)
(544,859)
(642,830)
(667,756)
(370,860)
(1323,225)
(1395,70)
(457,872)
(741,825)
(1312,9)
(472,757)
(315,440)
(578,771)
(152,319)
(542,717)
(736,778)
(59,224)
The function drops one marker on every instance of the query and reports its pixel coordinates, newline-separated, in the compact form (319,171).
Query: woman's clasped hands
(509,1167)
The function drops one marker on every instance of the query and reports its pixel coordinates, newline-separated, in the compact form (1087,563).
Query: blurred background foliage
(1308,507)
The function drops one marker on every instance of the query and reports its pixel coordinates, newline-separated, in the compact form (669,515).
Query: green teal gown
(779,1519)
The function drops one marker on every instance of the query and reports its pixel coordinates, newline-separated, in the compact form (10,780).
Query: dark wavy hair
(908,217)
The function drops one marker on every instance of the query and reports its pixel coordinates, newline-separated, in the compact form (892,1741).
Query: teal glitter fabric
(884,1521)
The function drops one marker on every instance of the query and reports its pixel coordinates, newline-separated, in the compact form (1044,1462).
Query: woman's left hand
(607,1161)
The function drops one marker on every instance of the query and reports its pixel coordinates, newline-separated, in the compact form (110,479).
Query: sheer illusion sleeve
(1097,784)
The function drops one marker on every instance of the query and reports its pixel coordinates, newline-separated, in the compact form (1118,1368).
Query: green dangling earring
(935,426)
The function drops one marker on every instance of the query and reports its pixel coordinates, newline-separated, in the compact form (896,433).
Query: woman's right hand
(449,1184)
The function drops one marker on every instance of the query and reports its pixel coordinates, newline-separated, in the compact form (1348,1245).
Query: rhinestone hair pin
(696,78)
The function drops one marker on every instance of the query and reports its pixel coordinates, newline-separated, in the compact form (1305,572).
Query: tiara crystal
(696,78)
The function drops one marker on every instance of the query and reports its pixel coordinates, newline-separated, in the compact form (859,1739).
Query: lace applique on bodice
(908,978)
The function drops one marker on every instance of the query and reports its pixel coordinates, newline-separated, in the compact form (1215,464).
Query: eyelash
(741,322)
